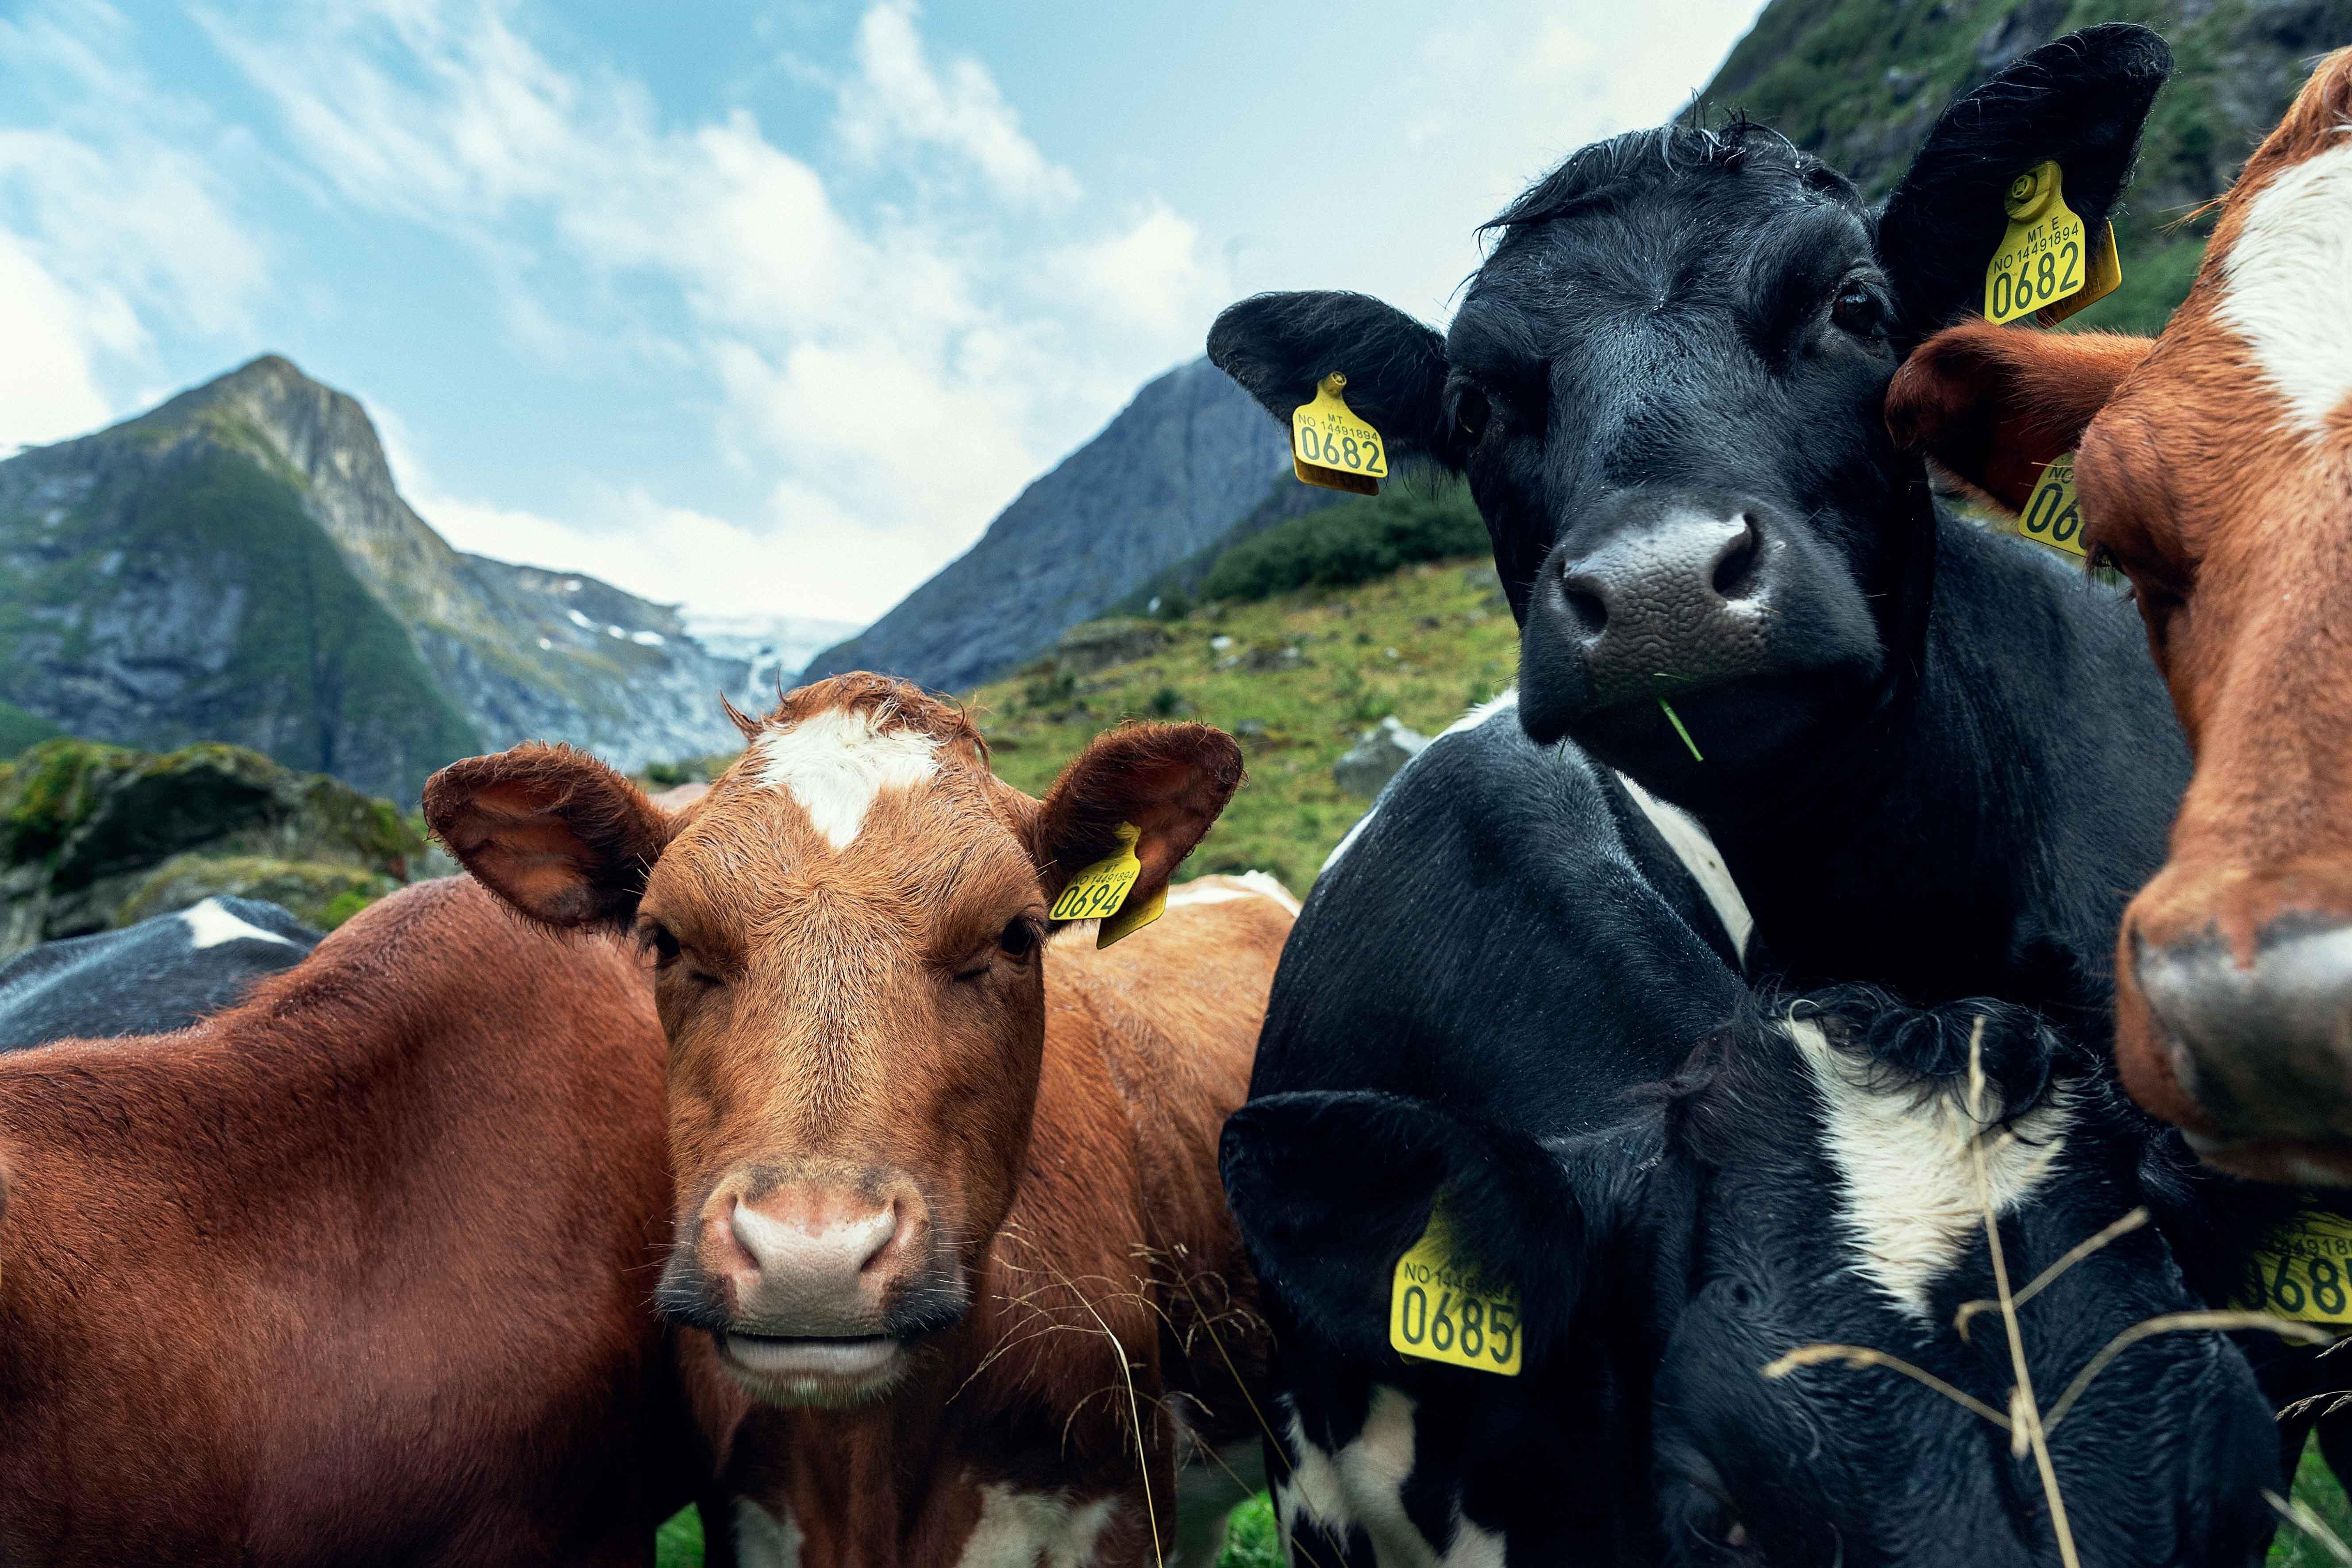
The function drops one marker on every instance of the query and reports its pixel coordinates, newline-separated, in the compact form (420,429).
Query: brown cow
(948,1185)
(356,1272)
(2214,467)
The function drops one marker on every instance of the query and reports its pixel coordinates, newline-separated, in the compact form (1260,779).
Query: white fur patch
(211,924)
(763,1540)
(1913,1207)
(1223,891)
(1361,1487)
(1700,856)
(2289,276)
(1034,1530)
(835,763)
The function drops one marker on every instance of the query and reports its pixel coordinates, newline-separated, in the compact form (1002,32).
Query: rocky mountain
(1163,480)
(238,565)
(774,649)
(1860,81)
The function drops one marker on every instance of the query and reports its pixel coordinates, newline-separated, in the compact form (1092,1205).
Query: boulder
(1373,760)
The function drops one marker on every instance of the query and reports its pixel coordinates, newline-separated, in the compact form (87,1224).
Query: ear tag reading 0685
(2051,515)
(1441,1309)
(1331,447)
(2303,1271)
(1100,892)
(2044,256)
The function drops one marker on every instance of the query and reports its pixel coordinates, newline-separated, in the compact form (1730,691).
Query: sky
(763,309)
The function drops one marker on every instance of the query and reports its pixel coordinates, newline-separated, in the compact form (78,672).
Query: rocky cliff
(1860,81)
(1163,482)
(238,565)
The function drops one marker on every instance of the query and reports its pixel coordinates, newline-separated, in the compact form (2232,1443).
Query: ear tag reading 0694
(2303,1271)
(2045,256)
(1441,1309)
(1100,892)
(2051,515)
(1331,447)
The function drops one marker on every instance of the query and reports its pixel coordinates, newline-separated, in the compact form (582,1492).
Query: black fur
(145,979)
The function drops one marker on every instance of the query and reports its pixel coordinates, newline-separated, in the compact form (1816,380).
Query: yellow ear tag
(1100,892)
(1331,447)
(2044,256)
(1440,1309)
(2303,1271)
(2107,275)
(2051,515)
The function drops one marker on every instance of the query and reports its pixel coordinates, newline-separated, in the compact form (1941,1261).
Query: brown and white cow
(355,1272)
(948,1186)
(2214,467)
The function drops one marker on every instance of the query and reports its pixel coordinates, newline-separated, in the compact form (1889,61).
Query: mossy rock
(321,895)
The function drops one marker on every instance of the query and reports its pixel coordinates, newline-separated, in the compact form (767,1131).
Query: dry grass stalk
(2300,1515)
(2028,1428)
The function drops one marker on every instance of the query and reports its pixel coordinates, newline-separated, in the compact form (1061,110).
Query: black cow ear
(1332,1189)
(2079,100)
(1280,346)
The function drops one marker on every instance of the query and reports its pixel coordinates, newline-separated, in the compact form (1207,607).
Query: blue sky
(757,307)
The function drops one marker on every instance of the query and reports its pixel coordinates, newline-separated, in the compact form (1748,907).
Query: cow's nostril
(1586,607)
(1735,570)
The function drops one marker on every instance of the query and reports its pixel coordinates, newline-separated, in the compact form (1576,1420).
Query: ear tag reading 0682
(1100,892)
(2303,1271)
(2051,515)
(1331,447)
(1440,1309)
(2044,256)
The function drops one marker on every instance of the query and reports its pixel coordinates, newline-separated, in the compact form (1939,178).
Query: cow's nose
(1684,599)
(2263,1049)
(810,1261)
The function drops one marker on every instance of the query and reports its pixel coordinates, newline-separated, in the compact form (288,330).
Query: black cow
(161,975)
(1509,947)
(1933,757)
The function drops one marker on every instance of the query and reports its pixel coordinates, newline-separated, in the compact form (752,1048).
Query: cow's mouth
(814,1369)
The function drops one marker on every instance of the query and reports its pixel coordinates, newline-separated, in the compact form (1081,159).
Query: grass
(1299,676)
(2313,1485)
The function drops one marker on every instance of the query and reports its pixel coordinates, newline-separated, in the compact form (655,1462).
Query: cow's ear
(1279,347)
(552,831)
(1995,405)
(1331,1189)
(1168,782)
(2079,100)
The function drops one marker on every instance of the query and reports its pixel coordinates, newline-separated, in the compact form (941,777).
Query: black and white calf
(1489,972)
(1808,1177)
(161,975)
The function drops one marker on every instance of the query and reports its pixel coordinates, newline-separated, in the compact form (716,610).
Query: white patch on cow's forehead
(765,1540)
(2288,280)
(211,924)
(835,763)
(1913,1205)
(1034,1530)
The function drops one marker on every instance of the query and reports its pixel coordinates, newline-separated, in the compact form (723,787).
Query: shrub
(1351,541)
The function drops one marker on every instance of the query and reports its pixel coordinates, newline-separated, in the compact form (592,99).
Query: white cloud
(46,389)
(114,213)
(1152,278)
(897,100)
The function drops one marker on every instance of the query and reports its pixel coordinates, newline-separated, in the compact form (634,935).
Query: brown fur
(854,1027)
(355,1272)
(2233,529)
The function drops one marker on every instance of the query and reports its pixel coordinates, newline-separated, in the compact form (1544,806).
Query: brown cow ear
(1995,405)
(552,831)
(1169,780)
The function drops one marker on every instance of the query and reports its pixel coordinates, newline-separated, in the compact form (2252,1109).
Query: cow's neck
(1978,829)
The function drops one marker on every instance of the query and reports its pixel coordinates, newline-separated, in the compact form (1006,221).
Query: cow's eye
(1470,415)
(1017,939)
(1856,310)
(664,942)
